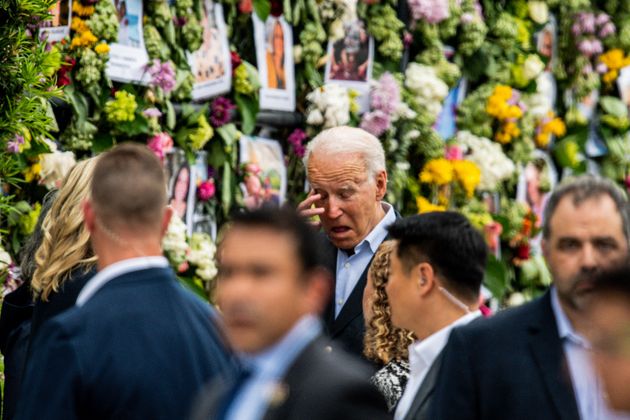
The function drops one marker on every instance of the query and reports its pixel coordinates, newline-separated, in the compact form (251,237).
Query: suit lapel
(353,306)
(426,389)
(548,353)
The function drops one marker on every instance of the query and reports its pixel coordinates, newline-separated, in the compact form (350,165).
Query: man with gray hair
(346,170)
(533,361)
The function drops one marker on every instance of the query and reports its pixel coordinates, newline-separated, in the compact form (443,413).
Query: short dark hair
(613,281)
(128,187)
(285,220)
(446,240)
(582,188)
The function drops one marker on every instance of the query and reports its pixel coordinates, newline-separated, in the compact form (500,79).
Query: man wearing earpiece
(435,277)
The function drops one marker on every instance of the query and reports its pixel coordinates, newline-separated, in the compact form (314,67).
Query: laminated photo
(265,173)
(351,59)
(211,64)
(274,56)
(128,58)
(58,26)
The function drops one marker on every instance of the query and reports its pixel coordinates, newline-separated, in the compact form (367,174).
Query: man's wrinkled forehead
(336,170)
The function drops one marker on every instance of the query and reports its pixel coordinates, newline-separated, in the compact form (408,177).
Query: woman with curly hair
(64,260)
(384,343)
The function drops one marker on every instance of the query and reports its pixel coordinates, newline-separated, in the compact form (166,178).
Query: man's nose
(333,208)
(589,258)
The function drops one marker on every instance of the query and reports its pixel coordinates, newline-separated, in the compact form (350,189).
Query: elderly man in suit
(533,361)
(346,170)
(271,287)
(137,345)
(434,284)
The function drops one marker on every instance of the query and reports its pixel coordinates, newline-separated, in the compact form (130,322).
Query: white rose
(532,66)
(55,166)
(315,117)
(538,11)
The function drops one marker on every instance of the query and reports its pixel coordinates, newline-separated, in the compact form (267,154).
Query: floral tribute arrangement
(482,107)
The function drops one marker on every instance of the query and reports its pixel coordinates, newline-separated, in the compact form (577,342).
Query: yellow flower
(32,172)
(102,48)
(437,171)
(610,76)
(82,10)
(86,39)
(557,127)
(79,25)
(502,92)
(468,175)
(542,139)
(613,59)
(425,206)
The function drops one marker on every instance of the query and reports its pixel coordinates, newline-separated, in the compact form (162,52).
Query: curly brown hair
(383,341)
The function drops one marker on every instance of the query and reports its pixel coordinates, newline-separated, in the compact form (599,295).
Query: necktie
(243,375)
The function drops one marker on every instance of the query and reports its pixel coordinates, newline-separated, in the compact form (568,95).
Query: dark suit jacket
(349,327)
(318,385)
(419,409)
(141,348)
(61,300)
(510,366)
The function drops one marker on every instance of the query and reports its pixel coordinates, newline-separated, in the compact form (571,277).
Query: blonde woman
(64,260)
(384,343)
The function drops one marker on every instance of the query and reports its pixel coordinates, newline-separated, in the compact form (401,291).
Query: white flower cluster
(201,255)
(495,166)
(329,106)
(174,241)
(423,81)
(54,167)
(5,259)
(541,102)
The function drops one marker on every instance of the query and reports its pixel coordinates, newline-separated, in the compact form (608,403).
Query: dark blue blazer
(510,366)
(141,348)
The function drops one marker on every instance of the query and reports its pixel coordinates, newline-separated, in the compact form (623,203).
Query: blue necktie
(243,375)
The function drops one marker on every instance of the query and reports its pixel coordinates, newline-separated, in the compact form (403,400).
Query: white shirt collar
(565,329)
(116,270)
(423,353)
(378,234)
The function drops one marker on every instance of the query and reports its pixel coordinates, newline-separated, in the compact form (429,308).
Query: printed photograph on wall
(58,26)
(350,60)
(264,171)
(274,57)
(211,64)
(127,56)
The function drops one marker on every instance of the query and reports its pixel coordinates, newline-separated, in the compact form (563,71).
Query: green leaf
(497,277)
(248,107)
(228,133)
(102,142)
(262,9)
(170,115)
(226,190)
(614,106)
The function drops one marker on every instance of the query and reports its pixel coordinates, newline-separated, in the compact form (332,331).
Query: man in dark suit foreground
(270,288)
(136,345)
(532,362)
(434,284)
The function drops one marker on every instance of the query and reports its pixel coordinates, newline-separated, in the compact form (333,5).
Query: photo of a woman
(350,58)
(209,58)
(179,191)
(274,36)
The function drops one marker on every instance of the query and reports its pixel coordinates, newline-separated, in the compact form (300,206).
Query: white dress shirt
(586,385)
(116,270)
(422,354)
(350,268)
(253,398)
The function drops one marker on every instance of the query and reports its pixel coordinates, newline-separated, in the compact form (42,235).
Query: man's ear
(89,218)
(425,277)
(381,185)
(166,219)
